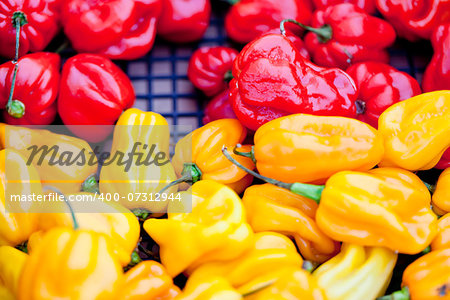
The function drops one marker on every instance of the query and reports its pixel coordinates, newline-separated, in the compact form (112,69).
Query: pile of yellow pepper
(340,203)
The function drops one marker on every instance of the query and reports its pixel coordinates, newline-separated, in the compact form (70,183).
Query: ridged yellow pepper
(441,195)
(216,230)
(66,178)
(109,218)
(442,239)
(211,288)
(16,226)
(197,155)
(270,251)
(12,262)
(71,264)
(307,148)
(415,131)
(140,131)
(271,208)
(356,273)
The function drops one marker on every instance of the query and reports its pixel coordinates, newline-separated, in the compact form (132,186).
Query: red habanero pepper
(219,108)
(295,39)
(367,5)
(272,79)
(380,86)
(184,21)
(248,19)
(40,25)
(210,69)
(444,162)
(344,34)
(36,87)
(414,19)
(93,91)
(118,29)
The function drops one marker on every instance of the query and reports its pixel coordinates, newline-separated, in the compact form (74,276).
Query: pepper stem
(430,187)
(403,294)
(250,154)
(190,174)
(324,33)
(74,219)
(228,76)
(310,191)
(90,185)
(259,288)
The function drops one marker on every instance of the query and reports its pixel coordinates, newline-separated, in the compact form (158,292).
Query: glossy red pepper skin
(43,23)
(272,79)
(37,86)
(367,5)
(248,19)
(93,91)
(118,29)
(380,86)
(355,37)
(414,19)
(219,108)
(184,21)
(208,68)
(444,162)
(295,39)
(437,73)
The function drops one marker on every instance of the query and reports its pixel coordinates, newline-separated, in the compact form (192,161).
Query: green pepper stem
(250,154)
(190,174)
(324,33)
(259,288)
(310,191)
(232,2)
(430,187)
(228,76)
(403,294)
(141,213)
(74,219)
(90,185)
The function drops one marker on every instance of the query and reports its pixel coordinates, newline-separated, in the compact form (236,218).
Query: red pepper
(93,91)
(367,5)
(41,25)
(118,29)
(184,21)
(380,86)
(36,86)
(295,39)
(444,162)
(210,69)
(271,80)
(248,19)
(219,108)
(344,34)
(415,19)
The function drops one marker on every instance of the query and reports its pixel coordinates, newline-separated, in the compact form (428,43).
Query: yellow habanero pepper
(71,264)
(441,195)
(271,208)
(307,148)
(356,273)
(17,179)
(11,265)
(50,162)
(146,133)
(109,218)
(197,155)
(415,131)
(216,230)
(442,239)
(212,288)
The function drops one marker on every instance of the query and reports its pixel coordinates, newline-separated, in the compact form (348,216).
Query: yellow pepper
(15,225)
(271,208)
(212,288)
(442,239)
(441,195)
(307,148)
(415,131)
(215,230)
(270,251)
(12,262)
(109,218)
(71,264)
(70,178)
(148,134)
(197,155)
(357,272)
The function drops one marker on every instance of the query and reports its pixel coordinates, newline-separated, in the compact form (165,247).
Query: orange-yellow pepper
(215,230)
(70,178)
(148,280)
(198,155)
(271,208)
(442,239)
(441,195)
(11,265)
(71,264)
(17,179)
(148,174)
(211,288)
(385,207)
(416,131)
(307,148)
